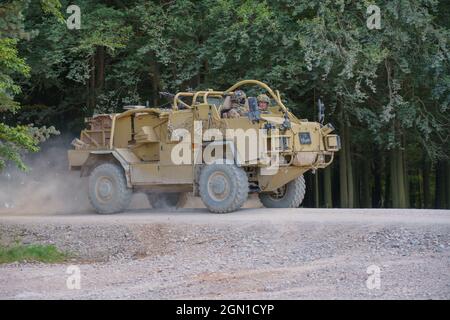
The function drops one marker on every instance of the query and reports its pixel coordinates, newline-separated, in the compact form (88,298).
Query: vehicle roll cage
(205,94)
(212,93)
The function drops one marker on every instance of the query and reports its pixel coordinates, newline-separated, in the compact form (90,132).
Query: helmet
(263,98)
(238,96)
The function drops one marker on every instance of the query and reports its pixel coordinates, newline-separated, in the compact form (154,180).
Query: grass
(31,253)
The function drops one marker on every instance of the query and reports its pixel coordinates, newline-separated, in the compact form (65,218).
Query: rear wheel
(165,200)
(108,191)
(223,188)
(290,195)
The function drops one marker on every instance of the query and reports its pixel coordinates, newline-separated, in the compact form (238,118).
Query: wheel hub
(279,193)
(104,188)
(218,186)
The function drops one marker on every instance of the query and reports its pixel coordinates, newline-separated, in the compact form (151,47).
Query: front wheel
(290,195)
(223,188)
(108,191)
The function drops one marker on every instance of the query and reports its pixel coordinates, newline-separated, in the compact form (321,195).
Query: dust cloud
(48,187)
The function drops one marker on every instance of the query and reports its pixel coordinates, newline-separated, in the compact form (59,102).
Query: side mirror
(254,114)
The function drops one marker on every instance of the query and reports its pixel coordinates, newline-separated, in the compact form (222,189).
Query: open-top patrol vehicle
(140,149)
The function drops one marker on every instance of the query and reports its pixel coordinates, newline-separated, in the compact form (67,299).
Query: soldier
(263,103)
(236,106)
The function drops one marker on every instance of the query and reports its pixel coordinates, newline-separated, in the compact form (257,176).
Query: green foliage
(10,64)
(12,141)
(126,53)
(31,253)
(52,7)
(391,87)
(43,133)
(16,138)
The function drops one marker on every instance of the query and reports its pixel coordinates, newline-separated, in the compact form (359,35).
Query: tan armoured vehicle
(191,148)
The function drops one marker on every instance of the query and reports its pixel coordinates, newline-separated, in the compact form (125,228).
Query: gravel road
(249,254)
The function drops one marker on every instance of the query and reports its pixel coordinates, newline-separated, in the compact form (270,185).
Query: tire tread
(124,193)
(296,190)
(241,183)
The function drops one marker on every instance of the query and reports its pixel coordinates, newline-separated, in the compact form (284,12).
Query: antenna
(321,110)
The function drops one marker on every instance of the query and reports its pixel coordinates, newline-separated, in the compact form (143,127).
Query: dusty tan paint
(148,155)
(77,157)
(284,175)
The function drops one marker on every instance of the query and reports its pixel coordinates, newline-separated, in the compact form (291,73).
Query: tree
(14,139)
(387,90)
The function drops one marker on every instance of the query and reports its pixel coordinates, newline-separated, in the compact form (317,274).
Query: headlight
(332,142)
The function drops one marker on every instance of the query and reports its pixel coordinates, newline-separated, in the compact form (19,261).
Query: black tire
(108,191)
(290,195)
(164,200)
(223,188)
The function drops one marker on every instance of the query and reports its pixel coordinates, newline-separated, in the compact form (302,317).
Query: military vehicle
(168,152)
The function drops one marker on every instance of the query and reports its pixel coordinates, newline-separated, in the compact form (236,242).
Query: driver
(263,103)
(238,106)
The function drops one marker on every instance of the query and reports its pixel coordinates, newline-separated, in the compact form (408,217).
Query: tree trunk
(343,171)
(92,99)
(387,203)
(401,178)
(316,190)
(309,196)
(447,184)
(414,197)
(357,182)
(328,197)
(100,68)
(155,76)
(350,186)
(395,197)
(406,183)
(440,202)
(426,168)
(346,167)
(366,202)
(398,181)
(377,184)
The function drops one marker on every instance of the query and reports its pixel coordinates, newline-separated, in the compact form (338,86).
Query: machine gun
(169,96)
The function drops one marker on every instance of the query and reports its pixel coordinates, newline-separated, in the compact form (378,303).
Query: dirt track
(250,254)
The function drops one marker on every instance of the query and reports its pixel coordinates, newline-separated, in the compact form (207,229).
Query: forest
(386,90)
